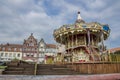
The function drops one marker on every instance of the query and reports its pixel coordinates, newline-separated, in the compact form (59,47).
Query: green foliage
(3,67)
(117,52)
(15,59)
(115,57)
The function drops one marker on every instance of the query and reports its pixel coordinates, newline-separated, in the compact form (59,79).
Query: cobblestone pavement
(62,77)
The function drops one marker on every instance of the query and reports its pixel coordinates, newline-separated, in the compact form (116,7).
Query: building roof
(11,45)
(114,49)
(50,46)
(31,41)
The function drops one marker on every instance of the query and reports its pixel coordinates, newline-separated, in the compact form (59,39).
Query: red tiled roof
(11,45)
(114,49)
(50,45)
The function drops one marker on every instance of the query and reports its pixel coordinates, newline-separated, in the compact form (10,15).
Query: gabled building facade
(30,49)
(41,51)
(47,52)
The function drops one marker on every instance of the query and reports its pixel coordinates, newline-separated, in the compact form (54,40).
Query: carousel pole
(89,45)
(60,45)
(98,38)
(72,47)
(102,41)
(55,57)
(76,40)
(68,47)
(88,35)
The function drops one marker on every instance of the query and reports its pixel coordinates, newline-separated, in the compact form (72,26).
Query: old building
(51,52)
(41,50)
(60,53)
(31,50)
(9,52)
(47,52)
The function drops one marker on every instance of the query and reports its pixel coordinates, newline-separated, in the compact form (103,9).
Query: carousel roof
(81,26)
(80,23)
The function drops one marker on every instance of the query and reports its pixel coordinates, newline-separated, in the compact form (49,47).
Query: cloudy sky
(20,18)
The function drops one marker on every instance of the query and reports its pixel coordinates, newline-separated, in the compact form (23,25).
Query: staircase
(24,68)
(53,69)
(19,68)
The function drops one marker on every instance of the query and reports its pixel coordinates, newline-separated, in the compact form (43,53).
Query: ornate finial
(79,17)
(31,34)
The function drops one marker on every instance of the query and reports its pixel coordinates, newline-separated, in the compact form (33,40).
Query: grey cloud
(19,18)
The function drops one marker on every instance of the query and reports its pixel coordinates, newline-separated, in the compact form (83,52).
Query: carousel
(82,40)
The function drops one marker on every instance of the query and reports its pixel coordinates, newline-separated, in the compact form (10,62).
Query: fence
(96,67)
(109,65)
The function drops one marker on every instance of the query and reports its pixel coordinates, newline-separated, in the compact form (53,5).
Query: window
(9,49)
(3,48)
(39,49)
(33,49)
(6,54)
(14,55)
(15,49)
(24,49)
(28,55)
(27,49)
(32,56)
(24,55)
(18,55)
(1,54)
(20,49)
(31,44)
(10,54)
(35,55)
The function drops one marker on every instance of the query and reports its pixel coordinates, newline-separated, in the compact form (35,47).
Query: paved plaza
(115,76)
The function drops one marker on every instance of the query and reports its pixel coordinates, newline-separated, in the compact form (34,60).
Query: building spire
(79,17)
(31,34)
